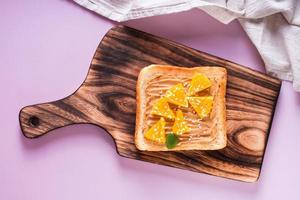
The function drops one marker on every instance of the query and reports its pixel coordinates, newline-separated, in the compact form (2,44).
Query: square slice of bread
(207,134)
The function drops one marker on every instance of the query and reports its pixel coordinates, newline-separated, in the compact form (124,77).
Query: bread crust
(148,73)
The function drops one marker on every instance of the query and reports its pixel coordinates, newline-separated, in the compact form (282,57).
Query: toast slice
(204,134)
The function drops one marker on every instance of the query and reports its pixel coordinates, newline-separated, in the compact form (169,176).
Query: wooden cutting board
(107,99)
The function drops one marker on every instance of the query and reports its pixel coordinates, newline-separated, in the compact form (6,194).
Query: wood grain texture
(107,99)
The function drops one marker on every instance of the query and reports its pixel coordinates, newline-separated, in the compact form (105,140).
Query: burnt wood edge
(192,170)
(226,62)
(269,131)
(89,123)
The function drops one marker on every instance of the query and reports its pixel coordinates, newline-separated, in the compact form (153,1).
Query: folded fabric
(273,26)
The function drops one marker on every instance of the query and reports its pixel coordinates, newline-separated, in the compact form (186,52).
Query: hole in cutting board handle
(34,121)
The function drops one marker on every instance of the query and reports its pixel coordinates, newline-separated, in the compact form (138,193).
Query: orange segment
(176,95)
(162,108)
(202,105)
(180,125)
(157,132)
(199,82)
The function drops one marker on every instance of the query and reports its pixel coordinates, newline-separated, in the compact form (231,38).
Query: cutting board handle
(39,119)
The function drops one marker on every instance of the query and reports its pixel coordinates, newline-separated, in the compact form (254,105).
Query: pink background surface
(45,51)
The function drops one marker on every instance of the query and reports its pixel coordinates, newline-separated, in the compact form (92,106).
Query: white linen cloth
(272,25)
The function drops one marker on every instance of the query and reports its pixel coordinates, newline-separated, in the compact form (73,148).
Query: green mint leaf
(171,141)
